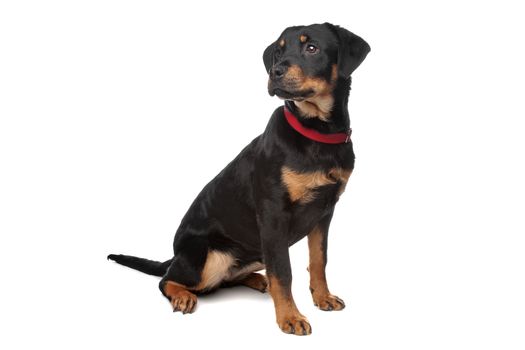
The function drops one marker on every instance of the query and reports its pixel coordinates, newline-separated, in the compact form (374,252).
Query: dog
(281,188)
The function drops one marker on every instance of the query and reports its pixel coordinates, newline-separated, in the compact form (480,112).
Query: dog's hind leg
(184,273)
(194,269)
(253,280)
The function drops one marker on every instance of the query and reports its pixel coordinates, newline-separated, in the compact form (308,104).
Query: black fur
(150,267)
(246,210)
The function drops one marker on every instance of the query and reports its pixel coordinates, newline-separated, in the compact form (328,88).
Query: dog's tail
(150,267)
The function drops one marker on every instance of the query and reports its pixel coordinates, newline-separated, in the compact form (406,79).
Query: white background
(114,114)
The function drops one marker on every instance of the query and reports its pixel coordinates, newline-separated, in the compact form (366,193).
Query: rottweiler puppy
(281,188)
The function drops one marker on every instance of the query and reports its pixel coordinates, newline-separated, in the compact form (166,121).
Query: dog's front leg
(317,244)
(274,233)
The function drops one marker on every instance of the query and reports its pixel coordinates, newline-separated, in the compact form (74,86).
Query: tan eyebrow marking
(281,43)
(303,38)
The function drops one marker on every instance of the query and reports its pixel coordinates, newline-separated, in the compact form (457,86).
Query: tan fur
(289,319)
(342,176)
(318,285)
(334,74)
(216,269)
(321,103)
(281,43)
(303,38)
(316,107)
(221,267)
(294,75)
(236,273)
(301,186)
(180,297)
(255,281)
(316,266)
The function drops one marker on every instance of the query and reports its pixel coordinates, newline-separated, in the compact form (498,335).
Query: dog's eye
(311,49)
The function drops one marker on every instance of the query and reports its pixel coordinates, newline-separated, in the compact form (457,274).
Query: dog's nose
(277,72)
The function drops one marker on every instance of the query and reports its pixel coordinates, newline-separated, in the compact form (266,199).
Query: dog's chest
(314,186)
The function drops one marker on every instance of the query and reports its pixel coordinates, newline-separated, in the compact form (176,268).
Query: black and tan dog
(282,187)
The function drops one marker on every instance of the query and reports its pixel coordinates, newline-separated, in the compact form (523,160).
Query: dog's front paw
(295,324)
(328,302)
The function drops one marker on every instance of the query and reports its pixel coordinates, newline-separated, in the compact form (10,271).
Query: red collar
(337,138)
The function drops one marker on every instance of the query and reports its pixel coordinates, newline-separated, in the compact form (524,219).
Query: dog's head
(305,62)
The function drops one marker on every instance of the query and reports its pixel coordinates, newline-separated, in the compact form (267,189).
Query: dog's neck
(329,113)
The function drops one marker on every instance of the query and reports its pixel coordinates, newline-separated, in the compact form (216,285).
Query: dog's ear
(352,50)
(268,56)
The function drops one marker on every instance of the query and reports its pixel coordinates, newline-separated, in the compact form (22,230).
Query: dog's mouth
(290,95)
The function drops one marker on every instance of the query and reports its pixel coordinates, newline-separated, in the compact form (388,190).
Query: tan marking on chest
(301,186)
